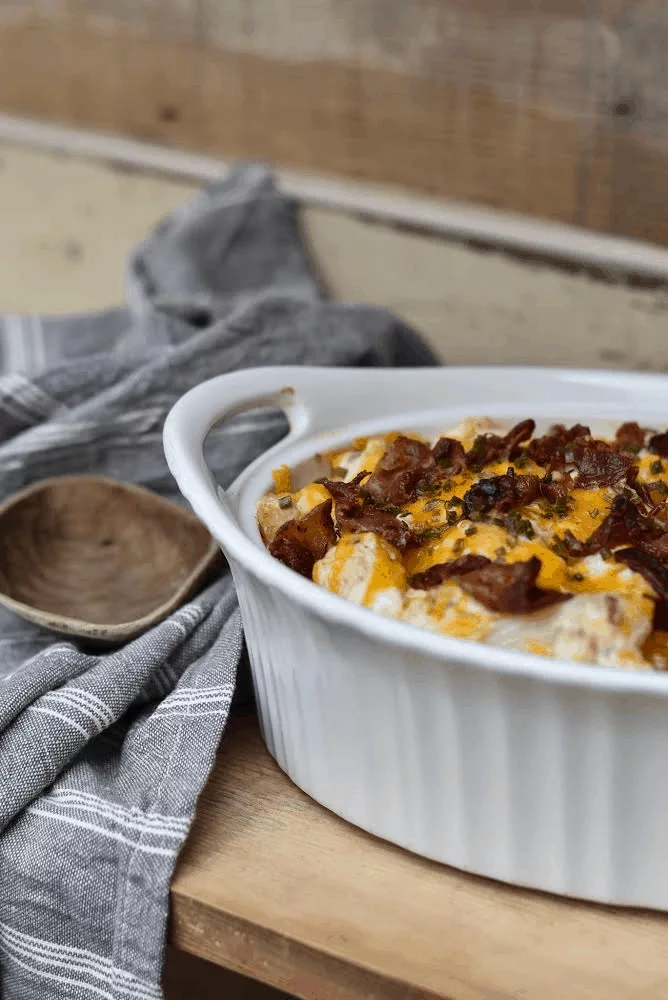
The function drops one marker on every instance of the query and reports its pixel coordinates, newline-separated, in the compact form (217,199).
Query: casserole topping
(556,544)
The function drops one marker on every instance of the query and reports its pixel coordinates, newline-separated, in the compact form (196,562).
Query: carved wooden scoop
(97,558)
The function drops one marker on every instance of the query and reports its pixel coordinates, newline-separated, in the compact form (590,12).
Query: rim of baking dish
(255,559)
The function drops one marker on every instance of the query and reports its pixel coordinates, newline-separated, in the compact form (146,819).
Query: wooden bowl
(97,558)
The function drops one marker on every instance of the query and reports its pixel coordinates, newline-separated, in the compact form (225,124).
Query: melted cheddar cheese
(608,619)
(366,569)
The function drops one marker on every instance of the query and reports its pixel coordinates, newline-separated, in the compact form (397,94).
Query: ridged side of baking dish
(527,770)
(525,781)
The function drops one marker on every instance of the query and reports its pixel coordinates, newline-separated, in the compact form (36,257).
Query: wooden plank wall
(555,108)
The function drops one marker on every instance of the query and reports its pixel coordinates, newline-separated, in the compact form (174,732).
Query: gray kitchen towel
(102,756)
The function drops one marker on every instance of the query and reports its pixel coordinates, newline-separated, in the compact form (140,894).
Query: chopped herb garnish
(519,525)
(430,534)
(522,461)
(285,502)
(387,507)
(453,517)
(594,512)
(559,547)
(656,468)
(458,547)
(562,505)
(577,577)
(425,487)
(500,553)
(431,505)
(471,530)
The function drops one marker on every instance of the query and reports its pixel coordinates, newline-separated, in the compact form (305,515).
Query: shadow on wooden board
(189,978)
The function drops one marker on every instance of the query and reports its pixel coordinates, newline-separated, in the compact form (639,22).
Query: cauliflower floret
(468,430)
(608,629)
(365,457)
(366,569)
(273,511)
(448,609)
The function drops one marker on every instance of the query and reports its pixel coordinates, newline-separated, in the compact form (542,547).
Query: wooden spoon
(97,558)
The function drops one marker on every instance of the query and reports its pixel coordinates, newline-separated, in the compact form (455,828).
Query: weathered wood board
(555,108)
(274,886)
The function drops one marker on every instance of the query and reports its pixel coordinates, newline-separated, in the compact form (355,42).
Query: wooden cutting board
(272,885)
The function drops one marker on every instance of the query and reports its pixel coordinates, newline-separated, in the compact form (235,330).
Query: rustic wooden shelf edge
(277,960)
(272,885)
(617,256)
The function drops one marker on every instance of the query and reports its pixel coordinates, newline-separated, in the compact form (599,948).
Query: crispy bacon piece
(405,463)
(517,435)
(657,547)
(500,494)
(641,489)
(345,494)
(354,514)
(660,620)
(510,588)
(488,448)
(551,488)
(658,444)
(597,463)
(549,450)
(630,436)
(649,567)
(435,575)
(380,522)
(623,525)
(301,542)
(659,515)
(449,455)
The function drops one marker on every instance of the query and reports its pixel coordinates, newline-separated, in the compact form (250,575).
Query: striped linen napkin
(102,756)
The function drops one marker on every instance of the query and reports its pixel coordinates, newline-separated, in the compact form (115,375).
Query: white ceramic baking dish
(533,771)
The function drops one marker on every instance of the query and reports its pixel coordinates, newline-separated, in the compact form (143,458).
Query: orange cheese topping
(365,567)
(282,479)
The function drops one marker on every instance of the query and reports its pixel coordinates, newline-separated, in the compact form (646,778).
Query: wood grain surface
(98,558)
(556,109)
(272,885)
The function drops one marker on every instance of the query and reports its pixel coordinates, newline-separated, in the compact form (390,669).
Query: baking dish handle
(313,400)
